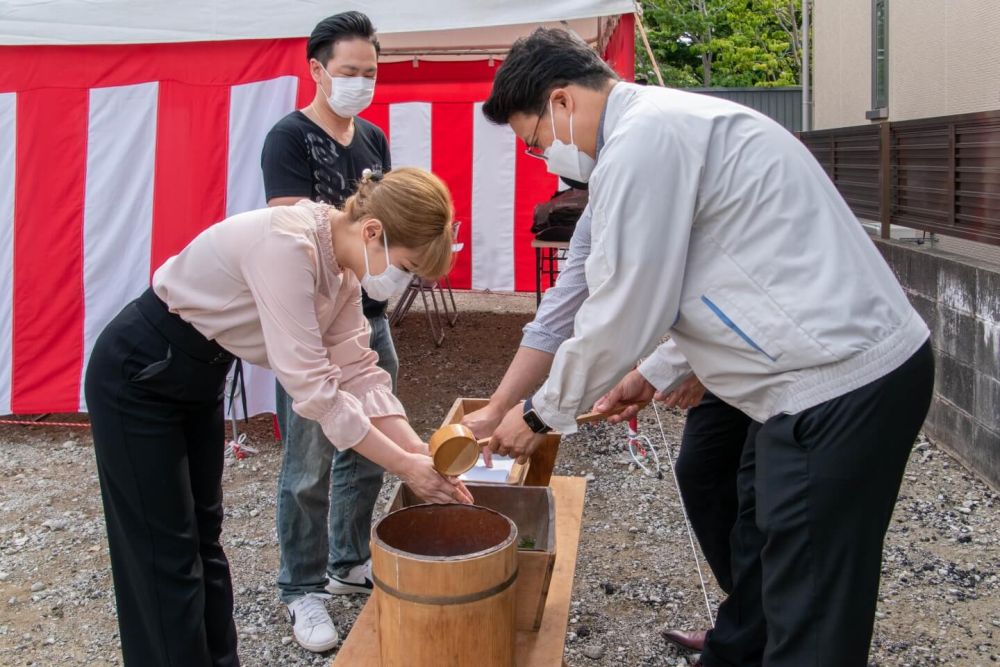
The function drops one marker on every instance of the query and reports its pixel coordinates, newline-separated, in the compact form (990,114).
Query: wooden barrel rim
(396,551)
(446,599)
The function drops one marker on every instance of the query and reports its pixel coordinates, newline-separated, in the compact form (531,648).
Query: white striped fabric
(118,204)
(8,112)
(254,108)
(493,170)
(410,134)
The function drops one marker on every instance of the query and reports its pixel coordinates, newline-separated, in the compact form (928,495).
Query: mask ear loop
(385,244)
(552,119)
(385,247)
(572,139)
(368,270)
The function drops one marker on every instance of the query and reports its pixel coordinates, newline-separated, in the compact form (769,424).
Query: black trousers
(706,468)
(154,389)
(816,493)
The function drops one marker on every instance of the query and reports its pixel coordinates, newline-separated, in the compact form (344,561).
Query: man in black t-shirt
(319,153)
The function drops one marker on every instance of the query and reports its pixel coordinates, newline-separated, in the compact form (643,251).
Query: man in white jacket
(715,226)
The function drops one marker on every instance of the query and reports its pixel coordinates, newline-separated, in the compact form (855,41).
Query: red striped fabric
(451,124)
(189,191)
(48,249)
(189,187)
(534,185)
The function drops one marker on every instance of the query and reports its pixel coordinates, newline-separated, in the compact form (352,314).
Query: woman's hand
(419,473)
(418,447)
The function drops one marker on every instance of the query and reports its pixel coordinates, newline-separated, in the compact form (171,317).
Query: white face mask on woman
(387,284)
(350,95)
(567,160)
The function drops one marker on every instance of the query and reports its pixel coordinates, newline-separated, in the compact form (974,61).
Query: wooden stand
(538,470)
(543,648)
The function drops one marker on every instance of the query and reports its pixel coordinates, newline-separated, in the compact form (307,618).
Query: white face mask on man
(387,284)
(350,95)
(567,160)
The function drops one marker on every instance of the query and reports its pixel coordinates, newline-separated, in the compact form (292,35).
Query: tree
(723,42)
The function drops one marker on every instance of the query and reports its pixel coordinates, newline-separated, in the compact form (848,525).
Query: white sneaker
(358,580)
(311,625)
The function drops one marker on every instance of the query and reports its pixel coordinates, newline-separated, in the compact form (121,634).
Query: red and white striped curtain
(113,157)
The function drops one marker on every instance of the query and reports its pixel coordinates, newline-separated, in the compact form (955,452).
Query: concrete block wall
(959,298)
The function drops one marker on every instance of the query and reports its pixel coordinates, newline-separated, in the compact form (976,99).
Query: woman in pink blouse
(280,288)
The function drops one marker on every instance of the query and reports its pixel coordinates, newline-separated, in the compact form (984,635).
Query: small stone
(55,524)
(255,512)
(964,510)
(4,576)
(594,651)
(37,587)
(589,477)
(285,641)
(69,444)
(49,641)
(571,637)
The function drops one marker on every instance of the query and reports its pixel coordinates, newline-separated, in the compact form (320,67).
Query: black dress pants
(706,468)
(816,493)
(154,389)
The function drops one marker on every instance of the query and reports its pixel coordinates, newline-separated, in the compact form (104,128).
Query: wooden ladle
(455,449)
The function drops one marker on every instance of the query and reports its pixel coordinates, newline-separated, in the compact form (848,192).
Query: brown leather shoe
(690,641)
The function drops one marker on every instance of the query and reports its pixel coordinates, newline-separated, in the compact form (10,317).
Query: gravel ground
(939,604)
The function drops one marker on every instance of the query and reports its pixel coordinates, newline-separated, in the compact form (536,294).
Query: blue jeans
(324,520)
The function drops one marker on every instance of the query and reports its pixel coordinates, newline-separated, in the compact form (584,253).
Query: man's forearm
(526,371)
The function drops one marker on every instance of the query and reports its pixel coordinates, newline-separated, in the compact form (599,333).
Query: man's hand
(626,399)
(514,438)
(483,422)
(687,395)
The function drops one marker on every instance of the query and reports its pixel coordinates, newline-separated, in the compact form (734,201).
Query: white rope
(687,522)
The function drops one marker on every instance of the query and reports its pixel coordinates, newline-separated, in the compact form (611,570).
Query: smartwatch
(532,419)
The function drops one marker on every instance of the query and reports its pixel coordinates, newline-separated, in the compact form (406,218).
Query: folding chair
(434,288)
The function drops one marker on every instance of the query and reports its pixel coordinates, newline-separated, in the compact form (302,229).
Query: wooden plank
(549,244)
(545,647)
(360,647)
(534,649)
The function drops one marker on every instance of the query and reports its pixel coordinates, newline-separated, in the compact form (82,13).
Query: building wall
(841,80)
(944,58)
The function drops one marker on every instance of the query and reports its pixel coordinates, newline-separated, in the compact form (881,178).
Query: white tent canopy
(405,26)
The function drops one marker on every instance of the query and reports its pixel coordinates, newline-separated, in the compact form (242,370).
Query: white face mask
(567,159)
(350,95)
(387,284)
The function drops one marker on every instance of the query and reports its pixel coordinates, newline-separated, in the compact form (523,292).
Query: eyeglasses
(533,150)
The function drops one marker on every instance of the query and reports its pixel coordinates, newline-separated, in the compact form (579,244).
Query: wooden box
(533,511)
(538,470)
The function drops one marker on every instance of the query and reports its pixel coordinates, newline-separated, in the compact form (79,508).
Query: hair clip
(371,175)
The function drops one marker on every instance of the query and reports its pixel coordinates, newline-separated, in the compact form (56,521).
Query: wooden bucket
(444,586)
